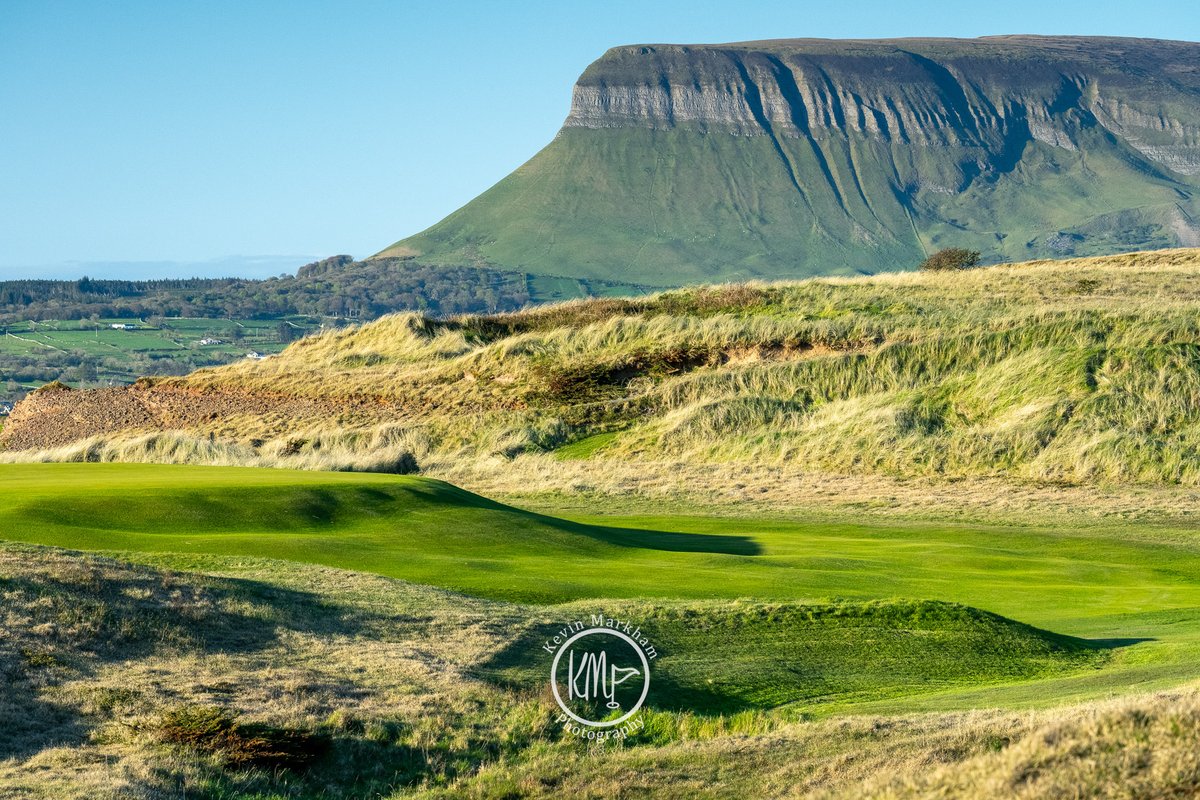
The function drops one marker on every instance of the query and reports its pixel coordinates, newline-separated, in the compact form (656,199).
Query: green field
(1126,603)
(99,338)
(93,353)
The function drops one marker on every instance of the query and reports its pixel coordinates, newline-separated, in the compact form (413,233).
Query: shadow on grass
(670,541)
(676,542)
(1117,643)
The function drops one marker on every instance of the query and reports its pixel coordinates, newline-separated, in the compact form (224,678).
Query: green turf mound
(243,501)
(733,656)
(420,529)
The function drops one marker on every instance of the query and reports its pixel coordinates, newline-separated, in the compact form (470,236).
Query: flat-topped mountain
(788,158)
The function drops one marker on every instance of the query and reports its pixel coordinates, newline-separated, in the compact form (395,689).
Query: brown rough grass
(103,655)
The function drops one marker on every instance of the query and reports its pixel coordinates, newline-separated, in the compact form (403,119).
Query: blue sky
(180,134)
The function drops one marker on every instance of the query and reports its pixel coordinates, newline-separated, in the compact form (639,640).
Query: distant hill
(338,287)
(682,164)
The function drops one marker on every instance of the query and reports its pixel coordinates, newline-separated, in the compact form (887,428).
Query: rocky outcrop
(929,92)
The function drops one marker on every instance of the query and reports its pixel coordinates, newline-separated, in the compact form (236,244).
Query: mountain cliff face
(798,157)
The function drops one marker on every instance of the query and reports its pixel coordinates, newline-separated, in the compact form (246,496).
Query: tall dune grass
(389,449)
(1083,371)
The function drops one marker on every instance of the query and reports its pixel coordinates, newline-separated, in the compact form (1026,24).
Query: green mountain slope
(680,164)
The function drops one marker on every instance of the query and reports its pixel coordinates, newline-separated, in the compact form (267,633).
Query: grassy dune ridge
(1074,371)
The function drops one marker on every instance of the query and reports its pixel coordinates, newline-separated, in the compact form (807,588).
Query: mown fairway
(1132,595)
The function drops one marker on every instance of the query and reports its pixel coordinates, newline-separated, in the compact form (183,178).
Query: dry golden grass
(385,448)
(1141,747)
(96,651)
(1123,750)
(758,490)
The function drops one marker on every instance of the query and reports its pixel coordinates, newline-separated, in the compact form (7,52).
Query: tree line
(337,287)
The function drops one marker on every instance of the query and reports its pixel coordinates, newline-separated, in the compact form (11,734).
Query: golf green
(1138,597)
